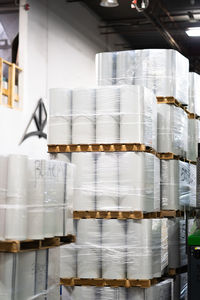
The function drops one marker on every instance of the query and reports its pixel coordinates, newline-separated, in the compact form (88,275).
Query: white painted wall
(58,43)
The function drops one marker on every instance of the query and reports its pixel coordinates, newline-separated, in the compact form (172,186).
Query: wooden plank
(168,156)
(70,238)
(30,245)
(101,282)
(171,214)
(100,148)
(173,101)
(108,215)
(177,271)
(11,85)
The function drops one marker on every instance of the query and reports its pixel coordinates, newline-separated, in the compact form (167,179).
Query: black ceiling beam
(182,25)
(162,29)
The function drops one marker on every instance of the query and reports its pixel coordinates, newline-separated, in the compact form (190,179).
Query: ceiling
(161,25)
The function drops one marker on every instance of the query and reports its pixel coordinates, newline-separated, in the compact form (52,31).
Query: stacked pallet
(35,219)
(124,237)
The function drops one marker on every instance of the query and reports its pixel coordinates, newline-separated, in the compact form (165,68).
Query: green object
(194,239)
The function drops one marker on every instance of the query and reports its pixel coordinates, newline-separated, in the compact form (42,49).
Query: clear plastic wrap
(163,71)
(125,114)
(30,275)
(117,249)
(172,130)
(181,287)
(116,181)
(193,139)
(36,198)
(194,93)
(178,184)
(162,290)
(177,242)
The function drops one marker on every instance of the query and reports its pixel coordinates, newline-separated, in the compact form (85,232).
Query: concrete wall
(58,43)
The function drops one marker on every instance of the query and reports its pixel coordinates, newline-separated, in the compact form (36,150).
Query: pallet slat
(170,156)
(137,215)
(101,282)
(177,271)
(100,148)
(174,101)
(14,246)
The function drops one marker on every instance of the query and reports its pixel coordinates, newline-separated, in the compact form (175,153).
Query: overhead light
(109,3)
(193,31)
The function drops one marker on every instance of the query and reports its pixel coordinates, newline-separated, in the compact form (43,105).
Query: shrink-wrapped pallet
(164,71)
(104,115)
(35,198)
(118,249)
(109,182)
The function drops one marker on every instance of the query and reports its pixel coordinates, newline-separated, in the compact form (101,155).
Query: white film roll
(106,73)
(107,182)
(50,205)
(25,275)
(132,114)
(59,131)
(83,116)
(170,185)
(107,114)
(137,189)
(16,209)
(60,193)
(88,248)
(6,273)
(41,268)
(68,261)
(139,249)
(36,194)
(124,67)
(84,194)
(113,249)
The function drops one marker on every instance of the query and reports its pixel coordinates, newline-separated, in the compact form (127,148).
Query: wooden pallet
(15,246)
(193,116)
(101,282)
(171,214)
(177,271)
(121,215)
(172,156)
(172,100)
(100,148)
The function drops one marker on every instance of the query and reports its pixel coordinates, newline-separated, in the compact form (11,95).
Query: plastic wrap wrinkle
(161,70)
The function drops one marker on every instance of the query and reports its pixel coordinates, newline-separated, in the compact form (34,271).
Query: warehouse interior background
(55,44)
(47,26)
